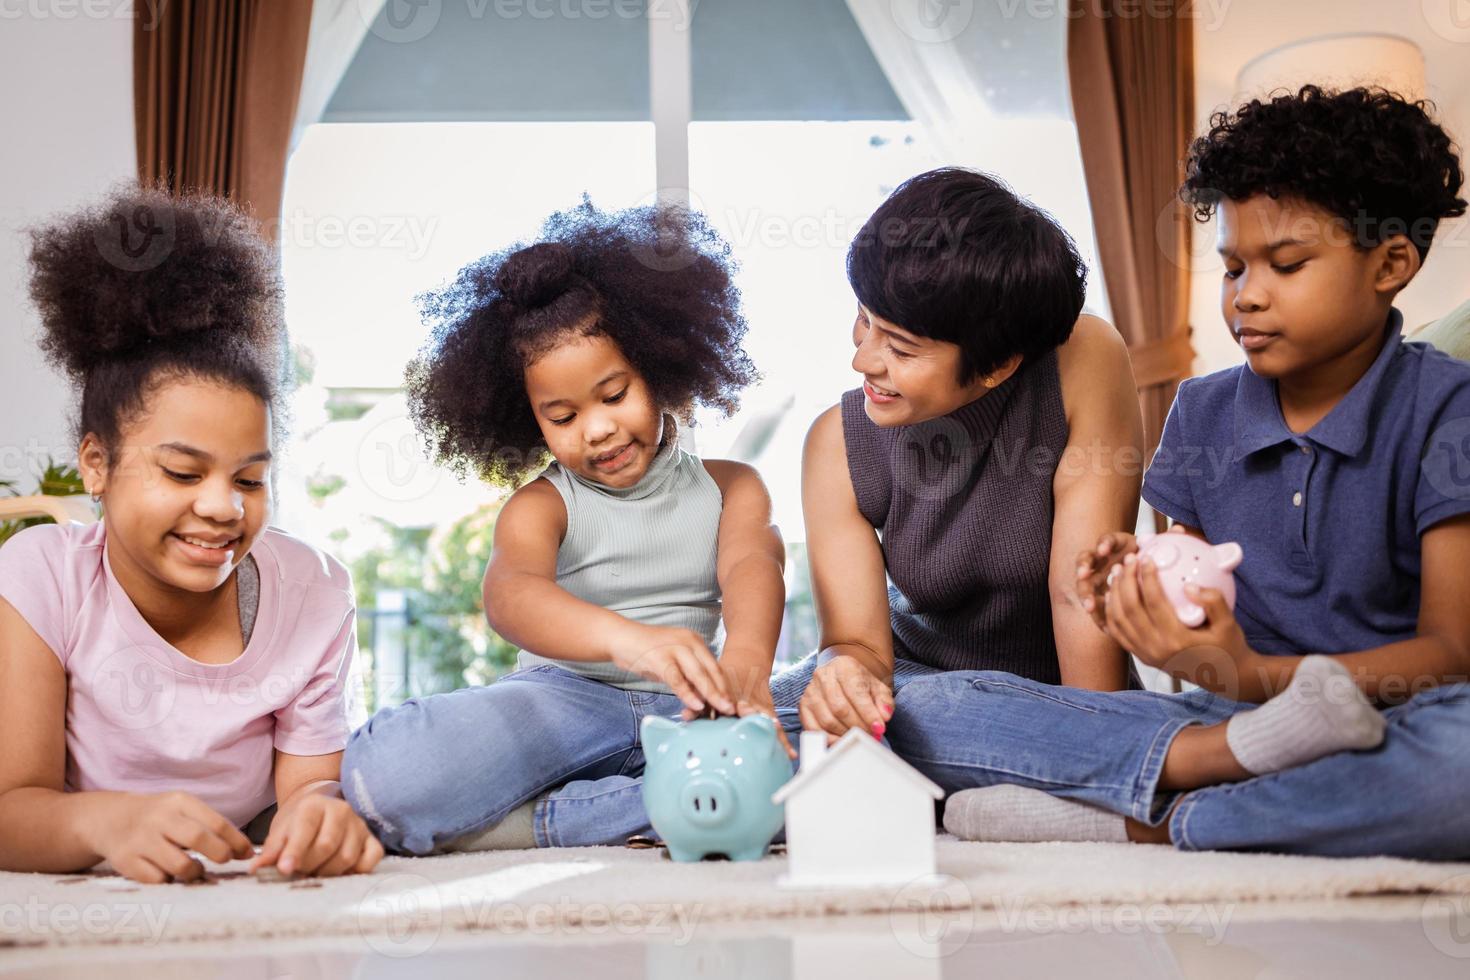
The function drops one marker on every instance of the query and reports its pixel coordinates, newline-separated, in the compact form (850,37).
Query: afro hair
(1366,155)
(655,280)
(143,287)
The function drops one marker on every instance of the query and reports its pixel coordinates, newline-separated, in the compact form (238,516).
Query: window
(438,151)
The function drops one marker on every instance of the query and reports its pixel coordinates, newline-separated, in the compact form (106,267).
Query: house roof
(851,744)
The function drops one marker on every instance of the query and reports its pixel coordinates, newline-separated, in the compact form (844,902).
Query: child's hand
(319,835)
(679,658)
(1215,656)
(1094,568)
(148,837)
(753,697)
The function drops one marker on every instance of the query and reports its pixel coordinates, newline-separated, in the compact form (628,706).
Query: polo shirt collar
(1258,421)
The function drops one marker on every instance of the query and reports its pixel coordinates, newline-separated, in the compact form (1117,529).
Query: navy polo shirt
(1330,519)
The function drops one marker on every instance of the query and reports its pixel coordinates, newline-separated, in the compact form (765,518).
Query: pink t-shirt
(142,717)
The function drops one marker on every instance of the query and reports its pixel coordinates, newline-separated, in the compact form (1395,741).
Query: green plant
(447,640)
(55,480)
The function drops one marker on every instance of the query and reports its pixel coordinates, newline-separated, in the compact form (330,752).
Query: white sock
(1016,813)
(1321,712)
(513,833)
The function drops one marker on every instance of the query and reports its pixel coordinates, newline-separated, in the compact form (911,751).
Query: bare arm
(524,604)
(851,686)
(1095,492)
(750,567)
(522,600)
(44,828)
(849,581)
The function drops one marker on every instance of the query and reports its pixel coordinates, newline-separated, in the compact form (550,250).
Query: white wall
(67,120)
(1247,28)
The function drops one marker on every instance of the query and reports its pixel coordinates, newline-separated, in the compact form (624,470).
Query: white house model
(856,814)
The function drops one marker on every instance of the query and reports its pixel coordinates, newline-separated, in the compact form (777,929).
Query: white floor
(1412,936)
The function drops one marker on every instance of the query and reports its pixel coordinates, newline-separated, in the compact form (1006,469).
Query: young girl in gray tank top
(636,578)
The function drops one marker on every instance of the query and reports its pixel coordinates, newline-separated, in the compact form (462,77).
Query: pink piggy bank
(1184,559)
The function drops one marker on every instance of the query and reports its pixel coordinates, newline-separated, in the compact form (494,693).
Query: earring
(990,382)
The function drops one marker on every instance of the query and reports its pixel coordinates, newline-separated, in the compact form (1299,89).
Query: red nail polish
(878,729)
(887,710)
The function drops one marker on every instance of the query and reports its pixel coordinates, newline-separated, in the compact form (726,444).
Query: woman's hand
(319,835)
(843,695)
(148,837)
(1215,656)
(679,658)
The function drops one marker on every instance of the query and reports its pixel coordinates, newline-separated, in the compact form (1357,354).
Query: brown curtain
(1132,83)
(215,86)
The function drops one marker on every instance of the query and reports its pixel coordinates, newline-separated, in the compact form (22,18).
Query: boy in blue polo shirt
(1338,458)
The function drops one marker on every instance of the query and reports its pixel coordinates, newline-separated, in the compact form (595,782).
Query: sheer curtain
(988,84)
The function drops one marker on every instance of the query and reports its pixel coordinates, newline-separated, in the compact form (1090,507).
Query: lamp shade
(1342,61)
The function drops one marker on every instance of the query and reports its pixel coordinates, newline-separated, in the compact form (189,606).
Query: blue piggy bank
(707,785)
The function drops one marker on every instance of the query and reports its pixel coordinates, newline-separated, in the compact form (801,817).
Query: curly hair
(142,288)
(1366,155)
(655,280)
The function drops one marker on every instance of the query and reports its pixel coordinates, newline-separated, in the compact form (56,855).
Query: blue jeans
(434,769)
(1410,797)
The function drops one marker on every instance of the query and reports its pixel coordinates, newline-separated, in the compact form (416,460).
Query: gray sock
(1321,712)
(513,833)
(1016,813)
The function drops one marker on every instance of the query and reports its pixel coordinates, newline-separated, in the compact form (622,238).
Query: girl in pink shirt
(171,673)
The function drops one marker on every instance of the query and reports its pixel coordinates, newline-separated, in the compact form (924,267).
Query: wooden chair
(62,510)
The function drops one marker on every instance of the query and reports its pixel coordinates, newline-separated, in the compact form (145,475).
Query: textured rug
(409,903)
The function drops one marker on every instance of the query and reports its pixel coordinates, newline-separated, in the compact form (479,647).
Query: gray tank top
(646,552)
(963,505)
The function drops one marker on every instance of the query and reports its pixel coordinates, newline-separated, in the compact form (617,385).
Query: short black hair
(1374,159)
(655,280)
(143,288)
(956,255)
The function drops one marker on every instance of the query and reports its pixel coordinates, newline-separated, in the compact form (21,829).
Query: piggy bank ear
(1228,556)
(753,725)
(656,731)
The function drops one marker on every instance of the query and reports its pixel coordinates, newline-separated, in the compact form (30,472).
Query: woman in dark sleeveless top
(996,436)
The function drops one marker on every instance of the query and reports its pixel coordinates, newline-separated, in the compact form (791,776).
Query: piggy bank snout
(707,800)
